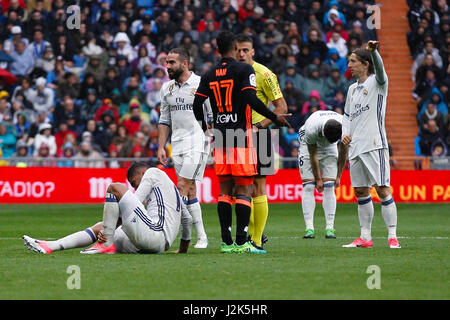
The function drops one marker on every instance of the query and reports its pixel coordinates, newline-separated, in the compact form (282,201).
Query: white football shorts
(327,167)
(135,225)
(371,168)
(190,165)
(122,243)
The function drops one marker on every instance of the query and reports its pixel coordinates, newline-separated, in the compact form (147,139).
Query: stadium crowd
(429,44)
(93,92)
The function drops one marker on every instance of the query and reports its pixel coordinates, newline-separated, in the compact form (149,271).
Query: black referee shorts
(262,141)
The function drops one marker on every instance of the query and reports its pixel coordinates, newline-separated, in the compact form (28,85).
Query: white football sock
(195,211)
(308,204)
(78,239)
(389,213)
(186,220)
(329,204)
(365,214)
(110,216)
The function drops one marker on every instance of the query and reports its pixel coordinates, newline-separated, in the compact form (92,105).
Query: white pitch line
(288,237)
(424,237)
(22,239)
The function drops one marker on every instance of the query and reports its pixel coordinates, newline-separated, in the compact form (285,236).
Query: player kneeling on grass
(318,164)
(150,230)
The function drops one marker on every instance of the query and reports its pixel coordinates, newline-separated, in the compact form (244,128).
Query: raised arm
(380,72)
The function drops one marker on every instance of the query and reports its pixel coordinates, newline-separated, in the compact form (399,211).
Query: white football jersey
(177,113)
(163,202)
(312,133)
(364,113)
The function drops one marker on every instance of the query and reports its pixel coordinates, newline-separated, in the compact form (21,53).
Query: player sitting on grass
(150,230)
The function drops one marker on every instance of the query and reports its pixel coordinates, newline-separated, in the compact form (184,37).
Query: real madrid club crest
(193,91)
(171,88)
(365,92)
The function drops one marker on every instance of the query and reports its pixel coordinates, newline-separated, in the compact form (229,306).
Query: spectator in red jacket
(339,27)
(17,5)
(107,105)
(60,137)
(246,10)
(133,124)
(208,15)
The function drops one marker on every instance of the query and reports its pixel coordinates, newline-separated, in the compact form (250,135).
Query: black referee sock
(243,211)
(224,209)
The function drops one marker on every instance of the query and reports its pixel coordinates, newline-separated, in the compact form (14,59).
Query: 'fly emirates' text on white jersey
(177,113)
(364,113)
(312,133)
(163,202)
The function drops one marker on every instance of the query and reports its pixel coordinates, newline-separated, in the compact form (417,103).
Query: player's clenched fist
(372,45)
(346,140)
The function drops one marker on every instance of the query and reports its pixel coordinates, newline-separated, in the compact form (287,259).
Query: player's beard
(175,74)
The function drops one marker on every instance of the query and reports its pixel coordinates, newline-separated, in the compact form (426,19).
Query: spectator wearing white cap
(123,46)
(45,136)
(43,101)
(86,152)
(16,36)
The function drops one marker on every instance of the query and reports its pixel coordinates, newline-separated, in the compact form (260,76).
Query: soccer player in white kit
(318,165)
(363,129)
(190,146)
(143,230)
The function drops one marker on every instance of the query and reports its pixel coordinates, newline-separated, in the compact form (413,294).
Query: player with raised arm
(190,146)
(318,164)
(231,87)
(150,230)
(363,130)
(268,91)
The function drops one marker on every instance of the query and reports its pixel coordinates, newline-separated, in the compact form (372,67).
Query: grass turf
(294,268)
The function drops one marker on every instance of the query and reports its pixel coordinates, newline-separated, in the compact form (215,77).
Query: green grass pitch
(294,268)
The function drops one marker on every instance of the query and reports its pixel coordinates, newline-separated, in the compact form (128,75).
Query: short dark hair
(225,41)
(135,166)
(332,130)
(363,55)
(244,38)
(183,53)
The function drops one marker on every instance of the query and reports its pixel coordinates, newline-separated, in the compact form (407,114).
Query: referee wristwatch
(259,125)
